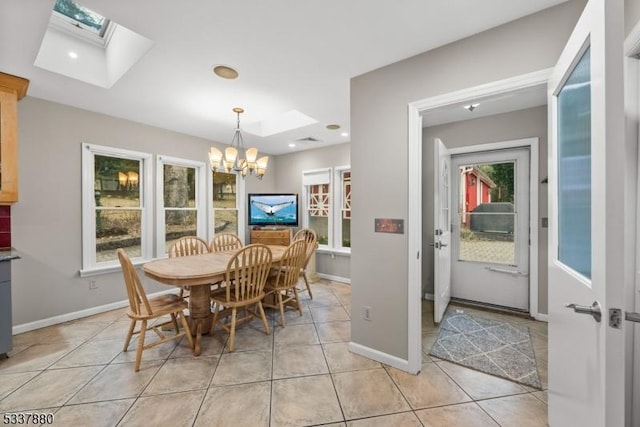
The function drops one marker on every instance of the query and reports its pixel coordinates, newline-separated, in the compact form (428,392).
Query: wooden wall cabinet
(12,89)
(281,237)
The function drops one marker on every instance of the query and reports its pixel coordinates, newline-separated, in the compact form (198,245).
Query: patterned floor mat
(488,345)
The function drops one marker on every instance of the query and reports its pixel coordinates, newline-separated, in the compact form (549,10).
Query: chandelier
(231,160)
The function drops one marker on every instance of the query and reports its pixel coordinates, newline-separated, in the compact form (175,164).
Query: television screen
(273,209)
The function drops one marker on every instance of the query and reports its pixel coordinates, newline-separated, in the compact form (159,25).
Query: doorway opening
(507,91)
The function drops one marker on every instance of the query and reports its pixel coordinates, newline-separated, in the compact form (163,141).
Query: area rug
(492,346)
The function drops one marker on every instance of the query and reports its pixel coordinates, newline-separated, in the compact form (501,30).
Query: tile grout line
(333,383)
(475,401)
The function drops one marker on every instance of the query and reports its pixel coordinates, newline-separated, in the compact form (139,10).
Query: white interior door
(442,230)
(586,235)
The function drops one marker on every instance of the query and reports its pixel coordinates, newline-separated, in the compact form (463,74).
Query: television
(273,209)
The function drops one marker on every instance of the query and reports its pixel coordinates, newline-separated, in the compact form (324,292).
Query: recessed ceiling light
(344,134)
(471,107)
(73,55)
(225,72)
(292,145)
(333,127)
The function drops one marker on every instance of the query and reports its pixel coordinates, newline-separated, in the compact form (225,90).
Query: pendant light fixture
(230,160)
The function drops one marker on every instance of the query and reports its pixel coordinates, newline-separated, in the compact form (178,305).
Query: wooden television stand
(271,236)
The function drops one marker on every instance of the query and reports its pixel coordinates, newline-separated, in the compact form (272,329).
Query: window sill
(336,252)
(107,269)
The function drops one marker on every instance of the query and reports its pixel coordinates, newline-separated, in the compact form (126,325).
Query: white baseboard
(381,357)
(542,317)
(334,278)
(429,297)
(55,320)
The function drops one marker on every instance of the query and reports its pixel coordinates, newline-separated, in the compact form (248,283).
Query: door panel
(490,238)
(586,211)
(442,230)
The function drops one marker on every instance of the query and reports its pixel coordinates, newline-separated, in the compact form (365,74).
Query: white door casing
(442,229)
(586,358)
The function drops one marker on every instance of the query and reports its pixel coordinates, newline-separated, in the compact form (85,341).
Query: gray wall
(631,15)
(527,123)
(379,152)
(288,178)
(46,221)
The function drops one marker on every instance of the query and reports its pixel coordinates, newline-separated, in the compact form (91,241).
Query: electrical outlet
(92,285)
(366,313)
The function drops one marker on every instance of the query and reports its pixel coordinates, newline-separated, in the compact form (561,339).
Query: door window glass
(487,213)
(574,169)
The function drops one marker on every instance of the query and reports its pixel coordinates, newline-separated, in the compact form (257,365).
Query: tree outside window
(225,203)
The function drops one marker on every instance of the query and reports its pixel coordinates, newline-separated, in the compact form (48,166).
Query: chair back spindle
(225,242)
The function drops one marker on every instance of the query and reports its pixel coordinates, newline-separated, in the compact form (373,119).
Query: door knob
(593,309)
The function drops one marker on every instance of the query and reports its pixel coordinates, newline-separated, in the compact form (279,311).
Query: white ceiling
(520,99)
(291,55)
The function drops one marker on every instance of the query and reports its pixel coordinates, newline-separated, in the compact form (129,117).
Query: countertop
(8,254)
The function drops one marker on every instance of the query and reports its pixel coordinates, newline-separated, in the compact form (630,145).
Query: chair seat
(220,296)
(164,304)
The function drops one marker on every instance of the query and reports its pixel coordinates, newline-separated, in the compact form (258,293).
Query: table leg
(199,314)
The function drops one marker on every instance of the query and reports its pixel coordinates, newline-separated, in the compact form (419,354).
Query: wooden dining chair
(225,242)
(245,278)
(311,238)
(281,285)
(185,246)
(143,309)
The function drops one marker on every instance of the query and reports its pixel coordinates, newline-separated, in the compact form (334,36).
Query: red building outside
(476,189)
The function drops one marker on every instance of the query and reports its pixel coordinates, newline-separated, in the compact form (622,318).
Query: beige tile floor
(302,374)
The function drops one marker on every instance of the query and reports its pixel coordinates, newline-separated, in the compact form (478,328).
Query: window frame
(305,203)
(336,194)
(90,265)
(241,205)
(82,31)
(338,207)
(201,192)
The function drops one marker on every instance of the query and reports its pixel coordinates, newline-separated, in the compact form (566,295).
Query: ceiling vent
(308,139)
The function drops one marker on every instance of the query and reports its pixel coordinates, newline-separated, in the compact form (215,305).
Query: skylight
(84,45)
(80,17)
(285,122)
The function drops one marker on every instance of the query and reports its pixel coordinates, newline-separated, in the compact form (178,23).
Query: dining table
(198,273)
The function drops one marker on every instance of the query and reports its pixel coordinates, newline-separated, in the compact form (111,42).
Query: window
(343,194)
(227,199)
(81,16)
(327,206)
(81,22)
(317,204)
(116,206)
(181,195)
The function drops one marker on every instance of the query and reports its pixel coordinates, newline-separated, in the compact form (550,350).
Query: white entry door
(586,217)
(490,233)
(442,230)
